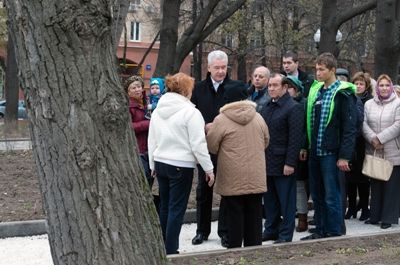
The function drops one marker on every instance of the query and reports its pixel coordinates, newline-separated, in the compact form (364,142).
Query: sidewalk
(36,251)
(15,144)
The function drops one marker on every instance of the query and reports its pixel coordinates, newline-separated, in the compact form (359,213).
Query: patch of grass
(360,250)
(344,251)
(243,261)
(307,253)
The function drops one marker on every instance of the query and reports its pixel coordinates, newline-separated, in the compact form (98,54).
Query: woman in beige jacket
(240,136)
(381,130)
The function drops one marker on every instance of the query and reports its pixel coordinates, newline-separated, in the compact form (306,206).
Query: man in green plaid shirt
(331,132)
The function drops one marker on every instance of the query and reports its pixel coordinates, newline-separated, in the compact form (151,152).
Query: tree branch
(221,18)
(355,11)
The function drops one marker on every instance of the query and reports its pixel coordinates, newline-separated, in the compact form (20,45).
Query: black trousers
(280,207)
(363,193)
(204,199)
(385,199)
(244,220)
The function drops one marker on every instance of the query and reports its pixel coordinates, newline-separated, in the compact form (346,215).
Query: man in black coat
(290,63)
(285,120)
(208,96)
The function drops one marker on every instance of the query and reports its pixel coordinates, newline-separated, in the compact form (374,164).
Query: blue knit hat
(158,81)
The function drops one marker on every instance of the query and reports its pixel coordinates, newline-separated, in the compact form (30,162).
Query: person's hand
(343,165)
(376,143)
(303,155)
(207,127)
(153,173)
(288,170)
(210,178)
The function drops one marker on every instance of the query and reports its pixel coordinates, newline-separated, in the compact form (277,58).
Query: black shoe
(269,237)
(385,225)
(369,222)
(312,230)
(312,236)
(224,242)
(280,241)
(350,213)
(331,235)
(364,215)
(198,239)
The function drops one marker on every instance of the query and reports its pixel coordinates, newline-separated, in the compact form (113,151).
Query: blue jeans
(175,184)
(326,194)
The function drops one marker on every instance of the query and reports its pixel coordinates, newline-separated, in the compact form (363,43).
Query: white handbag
(376,167)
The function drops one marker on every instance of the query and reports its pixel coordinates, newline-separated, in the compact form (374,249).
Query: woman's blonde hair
(361,76)
(179,83)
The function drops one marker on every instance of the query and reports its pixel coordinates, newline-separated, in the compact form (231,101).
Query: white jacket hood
(171,103)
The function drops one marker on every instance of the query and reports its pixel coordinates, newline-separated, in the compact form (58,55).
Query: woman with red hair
(176,143)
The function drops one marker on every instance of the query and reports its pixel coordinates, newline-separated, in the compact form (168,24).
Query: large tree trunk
(98,206)
(168,37)
(12,86)
(387,42)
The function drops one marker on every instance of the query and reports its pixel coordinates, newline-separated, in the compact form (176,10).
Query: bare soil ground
(379,249)
(20,197)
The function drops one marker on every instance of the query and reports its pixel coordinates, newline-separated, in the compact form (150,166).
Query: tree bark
(168,37)
(331,21)
(97,202)
(387,43)
(11,86)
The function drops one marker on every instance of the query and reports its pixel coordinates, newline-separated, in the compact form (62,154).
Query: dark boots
(302,225)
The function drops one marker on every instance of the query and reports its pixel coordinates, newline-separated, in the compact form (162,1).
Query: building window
(134,5)
(135,31)
(255,42)
(227,40)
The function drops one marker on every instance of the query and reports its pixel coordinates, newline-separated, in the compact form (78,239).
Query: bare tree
(173,50)
(332,19)
(97,202)
(387,40)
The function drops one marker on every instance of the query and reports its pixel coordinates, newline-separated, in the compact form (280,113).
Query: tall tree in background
(387,40)
(332,19)
(97,202)
(11,85)
(197,6)
(173,50)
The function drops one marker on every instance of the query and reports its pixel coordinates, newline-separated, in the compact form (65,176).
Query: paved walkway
(19,144)
(36,251)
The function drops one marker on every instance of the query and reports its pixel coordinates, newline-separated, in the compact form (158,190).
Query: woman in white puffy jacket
(381,130)
(176,143)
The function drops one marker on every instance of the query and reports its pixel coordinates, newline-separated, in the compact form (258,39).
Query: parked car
(21,109)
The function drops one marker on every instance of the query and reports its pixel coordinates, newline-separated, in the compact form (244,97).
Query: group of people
(268,147)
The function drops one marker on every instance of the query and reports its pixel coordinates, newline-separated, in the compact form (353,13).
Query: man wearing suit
(208,96)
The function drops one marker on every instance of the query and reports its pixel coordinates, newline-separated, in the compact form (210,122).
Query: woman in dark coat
(355,180)
(137,108)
